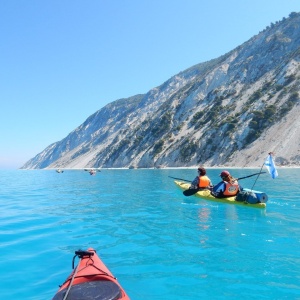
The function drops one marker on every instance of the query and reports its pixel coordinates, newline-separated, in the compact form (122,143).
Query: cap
(224,174)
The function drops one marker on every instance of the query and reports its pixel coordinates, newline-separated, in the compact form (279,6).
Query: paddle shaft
(180,179)
(251,175)
(237,178)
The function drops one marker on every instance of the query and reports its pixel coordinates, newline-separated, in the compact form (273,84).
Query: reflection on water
(204,218)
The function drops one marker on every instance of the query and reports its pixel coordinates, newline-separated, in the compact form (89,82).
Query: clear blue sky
(62,60)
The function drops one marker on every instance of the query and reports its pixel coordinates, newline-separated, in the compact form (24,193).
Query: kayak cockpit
(92,290)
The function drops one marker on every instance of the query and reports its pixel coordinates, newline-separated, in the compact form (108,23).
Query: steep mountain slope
(230,111)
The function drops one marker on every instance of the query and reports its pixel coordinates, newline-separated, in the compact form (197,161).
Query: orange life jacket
(203,181)
(231,189)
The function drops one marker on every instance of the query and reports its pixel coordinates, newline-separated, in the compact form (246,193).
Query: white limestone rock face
(230,111)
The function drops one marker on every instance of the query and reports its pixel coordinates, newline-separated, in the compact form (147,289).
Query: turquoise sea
(157,242)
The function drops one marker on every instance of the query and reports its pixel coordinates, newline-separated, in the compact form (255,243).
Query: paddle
(191,192)
(179,179)
(251,175)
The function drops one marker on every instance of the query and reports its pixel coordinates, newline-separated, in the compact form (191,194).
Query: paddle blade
(190,192)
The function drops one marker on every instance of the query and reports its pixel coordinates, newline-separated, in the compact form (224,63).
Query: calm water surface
(157,242)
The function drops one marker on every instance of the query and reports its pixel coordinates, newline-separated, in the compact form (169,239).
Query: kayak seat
(101,290)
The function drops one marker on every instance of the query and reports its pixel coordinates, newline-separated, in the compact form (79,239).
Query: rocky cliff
(230,111)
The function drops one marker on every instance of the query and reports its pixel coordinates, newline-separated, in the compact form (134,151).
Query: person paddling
(228,187)
(201,181)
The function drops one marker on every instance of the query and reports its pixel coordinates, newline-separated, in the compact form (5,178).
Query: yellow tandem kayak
(205,194)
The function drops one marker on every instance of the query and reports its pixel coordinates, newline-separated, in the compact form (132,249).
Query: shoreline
(162,168)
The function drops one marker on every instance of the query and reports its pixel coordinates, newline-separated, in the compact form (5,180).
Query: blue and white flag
(270,165)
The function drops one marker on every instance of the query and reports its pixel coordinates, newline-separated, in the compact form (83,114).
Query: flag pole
(270,153)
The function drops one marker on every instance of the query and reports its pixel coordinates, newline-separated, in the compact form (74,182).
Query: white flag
(270,165)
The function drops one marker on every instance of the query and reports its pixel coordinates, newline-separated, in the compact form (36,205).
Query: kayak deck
(91,279)
(205,194)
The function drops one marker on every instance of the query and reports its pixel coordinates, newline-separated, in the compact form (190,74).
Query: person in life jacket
(201,181)
(228,187)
